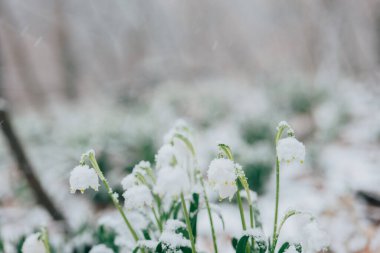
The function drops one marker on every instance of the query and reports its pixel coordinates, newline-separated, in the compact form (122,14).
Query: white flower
(33,244)
(132,179)
(137,197)
(316,239)
(101,248)
(129,181)
(171,181)
(83,177)
(291,249)
(166,156)
(222,177)
(290,152)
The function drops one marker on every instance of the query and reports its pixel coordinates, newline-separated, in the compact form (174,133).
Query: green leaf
(194,206)
(242,244)
(234,242)
(284,247)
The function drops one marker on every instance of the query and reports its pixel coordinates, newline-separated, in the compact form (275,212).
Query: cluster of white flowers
(290,152)
(101,248)
(222,177)
(171,181)
(33,244)
(137,194)
(83,177)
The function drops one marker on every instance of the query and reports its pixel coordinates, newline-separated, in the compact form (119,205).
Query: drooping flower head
(101,248)
(138,196)
(33,244)
(171,181)
(222,177)
(166,156)
(139,174)
(83,177)
(290,152)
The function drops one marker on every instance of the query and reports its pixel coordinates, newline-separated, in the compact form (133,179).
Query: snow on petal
(33,244)
(137,197)
(290,152)
(83,177)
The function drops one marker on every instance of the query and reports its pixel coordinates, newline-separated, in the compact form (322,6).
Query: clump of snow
(101,248)
(168,183)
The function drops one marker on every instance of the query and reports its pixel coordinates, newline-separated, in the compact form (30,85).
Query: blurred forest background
(115,75)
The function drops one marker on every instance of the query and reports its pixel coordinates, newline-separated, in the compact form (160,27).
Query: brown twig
(25,166)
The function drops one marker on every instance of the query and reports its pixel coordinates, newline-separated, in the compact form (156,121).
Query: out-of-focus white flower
(290,152)
(137,197)
(171,181)
(83,177)
(101,248)
(291,249)
(222,177)
(316,239)
(131,179)
(33,244)
(166,156)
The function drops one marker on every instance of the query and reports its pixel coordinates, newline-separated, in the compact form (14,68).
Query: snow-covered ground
(341,133)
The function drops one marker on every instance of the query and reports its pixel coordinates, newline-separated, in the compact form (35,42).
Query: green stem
(241,210)
(276,207)
(209,215)
(159,223)
(45,239)
(188,224)
(110,193)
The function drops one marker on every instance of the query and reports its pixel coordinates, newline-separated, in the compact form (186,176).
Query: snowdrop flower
(83,177)
(137,197)
(101,248)
(316,239)
(171,181)
(33,244)
(291,249)
(290,152)
(222,177)
(166,156)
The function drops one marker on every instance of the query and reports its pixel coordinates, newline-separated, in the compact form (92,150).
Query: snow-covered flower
(131,180)
(166,156)
(316,239)
(101,248)
(290,152)
(291,249)
(170,238)
(171,181)
(83,177)
(33,244)
(222,177)
(137,197)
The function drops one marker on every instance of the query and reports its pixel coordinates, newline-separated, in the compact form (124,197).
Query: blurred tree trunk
(19,154)
(65,53)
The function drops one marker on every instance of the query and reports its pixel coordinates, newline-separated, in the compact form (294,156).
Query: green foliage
(258,174)
(253,131)
(194,206)
(106,236)
(244,242)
